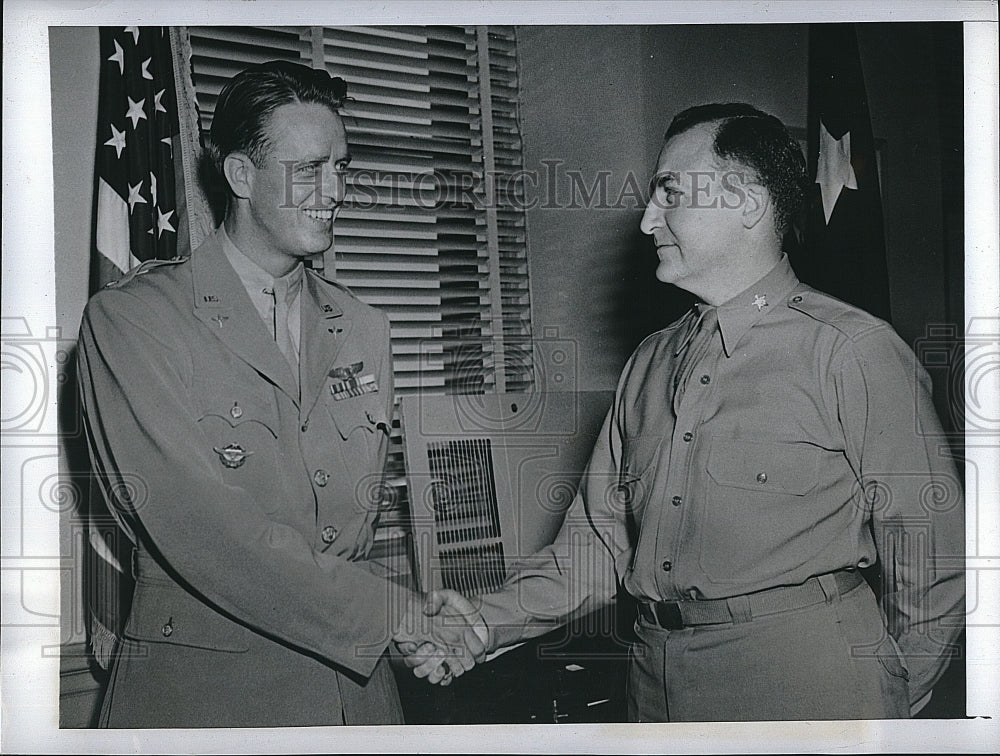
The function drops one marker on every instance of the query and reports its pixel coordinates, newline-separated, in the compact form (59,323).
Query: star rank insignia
(760,302)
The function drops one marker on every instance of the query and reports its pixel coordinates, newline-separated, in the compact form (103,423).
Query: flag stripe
(113,240)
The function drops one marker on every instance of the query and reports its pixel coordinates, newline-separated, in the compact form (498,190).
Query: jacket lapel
(325,330)
(222,304)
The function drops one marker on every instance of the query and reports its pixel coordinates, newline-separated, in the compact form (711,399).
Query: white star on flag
(134,31)
(145,69)
(163,222)
(157,105)
(134,198)
(118,57)
(135,111)
(117,140)
(834,171)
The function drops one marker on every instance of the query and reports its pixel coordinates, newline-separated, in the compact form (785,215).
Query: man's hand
(443,637)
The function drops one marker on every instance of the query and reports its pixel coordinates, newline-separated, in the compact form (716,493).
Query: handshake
(441,636)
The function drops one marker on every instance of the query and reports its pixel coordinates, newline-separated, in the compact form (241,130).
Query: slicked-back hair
(758,142)
(246,104)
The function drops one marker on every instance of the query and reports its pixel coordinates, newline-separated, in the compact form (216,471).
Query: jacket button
(762,477)
(665,565)
(320,478)
(676,501)
(167,630)
(796,299)
(688,436)
(705,380)
(328,534)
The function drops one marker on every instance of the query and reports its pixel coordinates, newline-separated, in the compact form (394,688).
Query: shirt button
(687,437)
(167,630)
(762,477)
(705,380)
(328,534)
(236,412)
(304,427)
(665,565)
(676,501)
(320,478)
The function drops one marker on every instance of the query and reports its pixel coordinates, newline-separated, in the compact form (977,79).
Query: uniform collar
(739,314)
(255,279)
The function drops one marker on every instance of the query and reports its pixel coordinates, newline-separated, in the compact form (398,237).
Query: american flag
(137,127)
(140,216)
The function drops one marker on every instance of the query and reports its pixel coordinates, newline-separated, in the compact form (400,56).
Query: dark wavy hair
(759,142)
(243,113)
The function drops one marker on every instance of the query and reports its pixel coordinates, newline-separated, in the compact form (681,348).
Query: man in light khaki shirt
(759,451)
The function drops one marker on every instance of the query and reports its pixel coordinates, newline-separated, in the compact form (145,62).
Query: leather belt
(674,615)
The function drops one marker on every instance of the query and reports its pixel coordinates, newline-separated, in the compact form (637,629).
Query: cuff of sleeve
(500,628)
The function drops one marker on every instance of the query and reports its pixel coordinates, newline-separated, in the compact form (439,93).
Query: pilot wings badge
(232,455)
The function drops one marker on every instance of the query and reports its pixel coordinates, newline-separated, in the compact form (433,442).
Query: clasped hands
(442,636)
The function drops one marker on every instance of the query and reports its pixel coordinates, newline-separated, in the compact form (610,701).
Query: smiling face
(695,214)
(286,206)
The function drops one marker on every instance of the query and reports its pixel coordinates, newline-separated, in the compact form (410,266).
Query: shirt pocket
(640,454)
(361,427)
(765,468)
(243,439)
(363,414)
(755,521)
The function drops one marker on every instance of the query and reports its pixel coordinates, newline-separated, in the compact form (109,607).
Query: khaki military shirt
(798,439)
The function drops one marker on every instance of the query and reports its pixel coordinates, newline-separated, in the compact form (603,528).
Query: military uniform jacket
(250,496)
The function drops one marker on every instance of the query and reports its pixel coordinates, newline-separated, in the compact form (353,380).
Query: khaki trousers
(831,660)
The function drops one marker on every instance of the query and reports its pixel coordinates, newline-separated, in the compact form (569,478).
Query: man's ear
(757,201)
(239,170)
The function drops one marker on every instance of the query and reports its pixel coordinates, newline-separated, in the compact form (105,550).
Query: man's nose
(332,186)
(652,218)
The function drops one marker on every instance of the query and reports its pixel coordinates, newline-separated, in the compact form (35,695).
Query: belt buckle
(668,615)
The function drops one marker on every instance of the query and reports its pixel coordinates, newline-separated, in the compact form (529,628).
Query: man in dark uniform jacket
(759,452)
(238,406)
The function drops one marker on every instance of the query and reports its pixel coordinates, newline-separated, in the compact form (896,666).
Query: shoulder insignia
(143,268)
(335,284)
(332,282)
(846,318)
